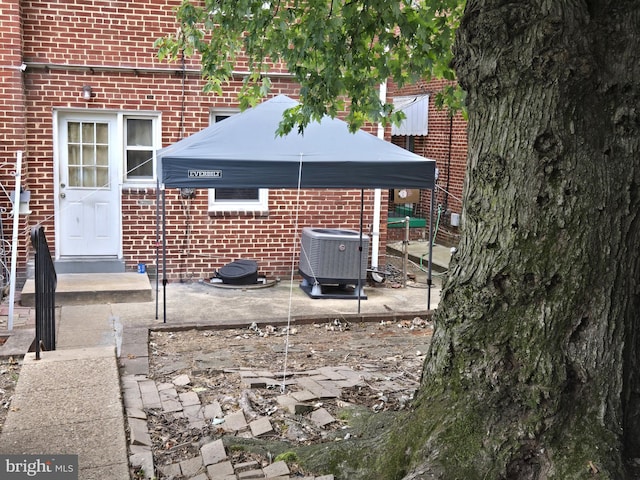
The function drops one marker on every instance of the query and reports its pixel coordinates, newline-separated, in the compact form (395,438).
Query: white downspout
(377,197)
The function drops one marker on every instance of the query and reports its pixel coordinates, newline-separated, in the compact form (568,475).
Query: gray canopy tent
(244,151)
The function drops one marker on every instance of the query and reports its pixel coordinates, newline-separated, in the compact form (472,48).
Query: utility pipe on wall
(14,240)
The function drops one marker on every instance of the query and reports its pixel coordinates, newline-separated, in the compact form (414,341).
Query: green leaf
(338,51)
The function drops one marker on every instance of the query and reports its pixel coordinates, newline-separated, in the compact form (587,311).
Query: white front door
(89,202)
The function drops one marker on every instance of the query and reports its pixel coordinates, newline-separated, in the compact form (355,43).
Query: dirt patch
(9,371)
(376,366)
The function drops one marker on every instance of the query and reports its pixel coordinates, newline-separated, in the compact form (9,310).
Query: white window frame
(260,205)
(156,132)
(244,206)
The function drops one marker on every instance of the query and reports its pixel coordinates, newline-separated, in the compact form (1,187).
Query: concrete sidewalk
(71,401)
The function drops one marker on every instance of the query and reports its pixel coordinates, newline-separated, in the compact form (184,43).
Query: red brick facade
(12,120)
(199,242)
(108,45)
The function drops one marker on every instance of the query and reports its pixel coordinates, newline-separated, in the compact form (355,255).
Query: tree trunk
(533,370)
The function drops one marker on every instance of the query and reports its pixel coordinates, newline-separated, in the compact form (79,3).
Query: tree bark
(533,370)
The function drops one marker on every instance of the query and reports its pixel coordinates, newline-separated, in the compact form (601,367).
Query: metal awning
(416,110)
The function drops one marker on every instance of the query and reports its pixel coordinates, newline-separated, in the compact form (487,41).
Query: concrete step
(418,253)
(94,288)
(90,265)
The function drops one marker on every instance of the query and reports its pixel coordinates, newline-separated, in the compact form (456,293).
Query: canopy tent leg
(431,241)
(157,243)
(360,250)
(164,255)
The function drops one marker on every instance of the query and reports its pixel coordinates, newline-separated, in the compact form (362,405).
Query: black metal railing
(45,283)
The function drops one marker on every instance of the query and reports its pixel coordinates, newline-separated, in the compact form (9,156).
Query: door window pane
(73,135)
(88,133)
(102,176)
(89,177)
(88,147)
(74,177)
(102,155)
(102,133)
(74,155)
(88,155)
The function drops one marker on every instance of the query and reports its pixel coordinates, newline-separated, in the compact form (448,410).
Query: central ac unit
(332,256)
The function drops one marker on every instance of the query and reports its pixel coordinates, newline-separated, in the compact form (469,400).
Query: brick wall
(199,243)
(109,45)
(12,127)
(446,143)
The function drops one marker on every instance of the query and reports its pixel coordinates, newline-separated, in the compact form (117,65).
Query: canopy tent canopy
(244,151)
